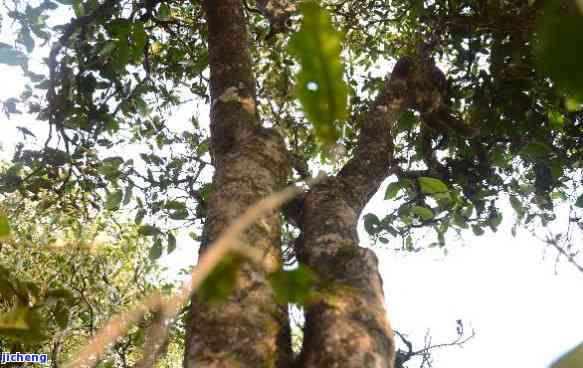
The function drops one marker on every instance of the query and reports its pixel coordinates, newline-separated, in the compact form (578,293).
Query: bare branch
(426,352)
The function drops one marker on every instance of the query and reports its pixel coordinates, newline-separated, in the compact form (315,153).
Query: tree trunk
(250,328)
(347,325)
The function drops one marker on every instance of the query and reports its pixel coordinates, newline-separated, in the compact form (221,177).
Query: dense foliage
(118,70)
(500,118)
(62,278)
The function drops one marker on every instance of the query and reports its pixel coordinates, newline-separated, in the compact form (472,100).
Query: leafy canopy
(118,70)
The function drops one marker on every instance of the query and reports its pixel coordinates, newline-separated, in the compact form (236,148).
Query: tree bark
(347,326)
(250,329)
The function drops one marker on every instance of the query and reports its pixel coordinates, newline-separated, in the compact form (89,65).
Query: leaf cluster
(62,277)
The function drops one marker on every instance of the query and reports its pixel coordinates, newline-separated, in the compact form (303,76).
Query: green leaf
(119,28)
(148,230)
(139,216)
(320,87)
(556,120)
(573,359)
(201,63)
(477,230)
(57,157)
(108,48)
(79,8)
(495,221)
(573,104)
(535,151)
(139,38)
(4,226)
(372,223)
(460,221)
(425,213)
(127,195)
(560,30)
(202,147)
(409,244)
(517,205)
(61,293)
(293,286)
(164,12)
(407,120)
(33,14)
(62,316)
(114,200)
(441,238)
(467,211)
(171,243)
(432,185)
(394,188)
(156,250)
(65,2)
(222,280)
(177,209)
(206,190)
(10,56)
(579,201)
(26,39)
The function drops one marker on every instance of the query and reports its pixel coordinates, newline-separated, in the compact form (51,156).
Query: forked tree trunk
(347,325)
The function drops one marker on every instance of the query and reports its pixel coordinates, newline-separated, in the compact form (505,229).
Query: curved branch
(374,154)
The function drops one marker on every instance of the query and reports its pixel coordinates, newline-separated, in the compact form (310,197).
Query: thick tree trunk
(250,329)
(347,326)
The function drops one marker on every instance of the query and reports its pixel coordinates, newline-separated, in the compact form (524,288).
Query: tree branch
(425,352)
(373,157)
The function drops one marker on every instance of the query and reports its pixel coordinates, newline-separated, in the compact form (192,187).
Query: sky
(525,310)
